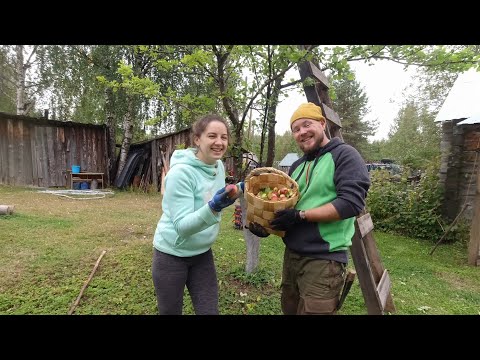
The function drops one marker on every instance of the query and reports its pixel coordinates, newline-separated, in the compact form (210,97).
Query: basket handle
(267,170)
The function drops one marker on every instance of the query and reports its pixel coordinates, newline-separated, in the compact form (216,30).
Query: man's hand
(285,219)
(257,229)
(220,200)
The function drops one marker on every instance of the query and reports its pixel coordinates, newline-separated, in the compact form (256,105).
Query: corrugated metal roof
(474,119)
(289,159)
(463,100)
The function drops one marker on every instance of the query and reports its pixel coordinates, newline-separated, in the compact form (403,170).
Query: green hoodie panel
(320,191)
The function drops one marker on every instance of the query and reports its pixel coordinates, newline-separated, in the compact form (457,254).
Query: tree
(414,138)
(7,83)
(351,104)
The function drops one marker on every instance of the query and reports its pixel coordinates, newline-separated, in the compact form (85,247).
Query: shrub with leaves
(408,208)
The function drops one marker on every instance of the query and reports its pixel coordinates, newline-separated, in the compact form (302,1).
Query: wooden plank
(331,115)
(94,151)
(58,168)
(28,151)
(50,156)
(377,267)
(474,244)
(34,149)
(44,163)
(3,152)
(365,224)
(11,153)
(83,158)
(89,134)
(63,157)
(383,288)
(20,153)
(154,152)
(318,75)
(365,277)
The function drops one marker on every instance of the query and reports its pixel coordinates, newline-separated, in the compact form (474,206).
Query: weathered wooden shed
(460,163)
(287,161)
(38,152)
(148,161)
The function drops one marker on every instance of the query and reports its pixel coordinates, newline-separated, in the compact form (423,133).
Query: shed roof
(462,101)
(289,159)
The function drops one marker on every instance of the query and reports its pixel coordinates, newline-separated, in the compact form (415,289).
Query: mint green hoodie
(188,226)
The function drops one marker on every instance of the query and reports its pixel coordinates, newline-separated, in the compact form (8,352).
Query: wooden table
(84,177)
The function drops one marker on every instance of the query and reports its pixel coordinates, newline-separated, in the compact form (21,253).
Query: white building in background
(463,100)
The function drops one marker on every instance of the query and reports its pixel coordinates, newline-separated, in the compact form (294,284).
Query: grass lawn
(49,246)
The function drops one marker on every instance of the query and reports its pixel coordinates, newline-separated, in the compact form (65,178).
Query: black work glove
(257,229)
(285,219)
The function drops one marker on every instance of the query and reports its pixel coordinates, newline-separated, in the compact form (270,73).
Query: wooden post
(6,209)
(474,244)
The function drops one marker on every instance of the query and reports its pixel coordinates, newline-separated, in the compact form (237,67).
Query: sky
(382,82)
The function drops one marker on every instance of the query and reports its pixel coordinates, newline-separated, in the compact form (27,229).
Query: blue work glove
(285,219)
(240,188)
(220,200)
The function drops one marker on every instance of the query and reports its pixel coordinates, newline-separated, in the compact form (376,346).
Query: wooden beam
(365,276)
(383,288)
(365,224)
(474,244)
(318,75)
(331,115)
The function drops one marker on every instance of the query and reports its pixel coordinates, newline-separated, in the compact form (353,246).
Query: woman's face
(213,142)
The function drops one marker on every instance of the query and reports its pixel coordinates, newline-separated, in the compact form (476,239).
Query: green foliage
(285,144)
(414,126)
(351,104)
(7,81)
(408,208)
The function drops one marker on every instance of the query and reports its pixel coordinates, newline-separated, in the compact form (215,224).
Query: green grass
(49,246)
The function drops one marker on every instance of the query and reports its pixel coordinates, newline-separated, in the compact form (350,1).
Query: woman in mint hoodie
(194,197)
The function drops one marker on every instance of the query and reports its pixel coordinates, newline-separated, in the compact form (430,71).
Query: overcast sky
(383,83)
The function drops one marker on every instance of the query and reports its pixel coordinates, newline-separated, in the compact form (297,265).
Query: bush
(408,208)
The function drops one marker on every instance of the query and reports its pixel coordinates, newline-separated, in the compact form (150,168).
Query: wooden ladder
(373,277)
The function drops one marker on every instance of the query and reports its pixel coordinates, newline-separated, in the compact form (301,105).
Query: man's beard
(314,149)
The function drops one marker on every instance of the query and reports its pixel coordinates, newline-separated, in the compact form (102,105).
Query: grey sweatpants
(170,275)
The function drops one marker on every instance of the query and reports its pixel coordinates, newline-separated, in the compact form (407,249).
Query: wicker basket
(262,211)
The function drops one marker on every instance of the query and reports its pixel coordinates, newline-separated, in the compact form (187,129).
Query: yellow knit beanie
(307,111)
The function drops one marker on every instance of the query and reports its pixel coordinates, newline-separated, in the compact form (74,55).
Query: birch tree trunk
(20,81)
(111,126)
(127,135)
(251,241)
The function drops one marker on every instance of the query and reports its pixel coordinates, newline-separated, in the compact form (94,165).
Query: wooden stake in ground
(6,209)
(75,304)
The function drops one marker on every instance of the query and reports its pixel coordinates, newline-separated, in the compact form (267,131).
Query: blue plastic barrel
(84,185)
(75,169)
